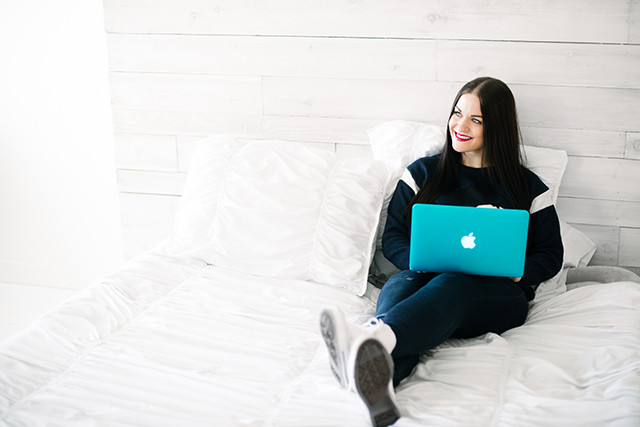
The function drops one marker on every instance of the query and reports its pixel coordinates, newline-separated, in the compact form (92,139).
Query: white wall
(59,215)
(324,72)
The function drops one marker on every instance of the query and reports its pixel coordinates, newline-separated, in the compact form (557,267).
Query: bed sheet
(169,341)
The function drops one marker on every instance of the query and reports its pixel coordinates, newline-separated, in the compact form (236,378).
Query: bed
(218,325)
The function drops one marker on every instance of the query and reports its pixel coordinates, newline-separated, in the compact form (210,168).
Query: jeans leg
(398,288)
(403,366)
(452,305)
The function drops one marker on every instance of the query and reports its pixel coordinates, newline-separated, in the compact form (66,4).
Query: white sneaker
(340,336)
(373,375)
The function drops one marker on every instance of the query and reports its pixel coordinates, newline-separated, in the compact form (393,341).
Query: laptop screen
(472,240)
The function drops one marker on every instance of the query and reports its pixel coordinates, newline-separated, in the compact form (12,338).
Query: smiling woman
(420,308)
(467,131)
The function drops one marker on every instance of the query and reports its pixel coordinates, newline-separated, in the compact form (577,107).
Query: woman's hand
(516,279)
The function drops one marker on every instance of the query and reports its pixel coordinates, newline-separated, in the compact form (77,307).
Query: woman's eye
(476,121)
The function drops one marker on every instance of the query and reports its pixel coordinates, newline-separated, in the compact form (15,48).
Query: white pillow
(281,209)
(399,143)
(548,164)
(578,251)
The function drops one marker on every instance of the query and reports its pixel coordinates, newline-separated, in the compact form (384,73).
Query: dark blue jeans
(425,309)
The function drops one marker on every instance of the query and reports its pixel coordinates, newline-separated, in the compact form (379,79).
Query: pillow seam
(322,210)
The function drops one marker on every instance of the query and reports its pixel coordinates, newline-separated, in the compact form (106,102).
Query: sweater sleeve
(395,239)
(544,242)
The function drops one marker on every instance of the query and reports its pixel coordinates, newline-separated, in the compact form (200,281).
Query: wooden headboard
(324,72)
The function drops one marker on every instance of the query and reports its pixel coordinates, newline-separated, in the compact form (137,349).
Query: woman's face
(465,126)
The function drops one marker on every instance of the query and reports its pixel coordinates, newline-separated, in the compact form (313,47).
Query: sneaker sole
(337,360)
(373,374)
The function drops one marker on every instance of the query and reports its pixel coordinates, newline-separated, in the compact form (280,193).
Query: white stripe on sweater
(541,202)
(408,179)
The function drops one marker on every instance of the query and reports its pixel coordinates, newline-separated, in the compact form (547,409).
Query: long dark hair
(501,148)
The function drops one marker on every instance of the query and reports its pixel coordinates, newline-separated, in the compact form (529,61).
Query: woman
(480,164)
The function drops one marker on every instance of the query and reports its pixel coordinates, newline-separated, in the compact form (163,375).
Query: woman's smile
(461,137)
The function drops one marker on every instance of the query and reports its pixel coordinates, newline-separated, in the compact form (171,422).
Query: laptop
(471,240)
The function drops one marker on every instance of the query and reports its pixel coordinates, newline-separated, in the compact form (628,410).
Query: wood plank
(586,143)
(319,129)
(634,22)
(359,99)
(183,122)
(599,212)
(539,106)
(146,152)
(604,179)
(599,22)
(274,56)
(225,95)
(633,146)
(146,211)
(150,182)
(607,239)
(602,109)
(556,64)
(629,247)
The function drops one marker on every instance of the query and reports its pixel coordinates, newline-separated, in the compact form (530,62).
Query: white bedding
(170,340)
(176,342)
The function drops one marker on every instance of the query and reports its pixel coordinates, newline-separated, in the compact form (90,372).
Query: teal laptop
(479,241)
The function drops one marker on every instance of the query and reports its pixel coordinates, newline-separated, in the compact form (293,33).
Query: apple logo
(468,242)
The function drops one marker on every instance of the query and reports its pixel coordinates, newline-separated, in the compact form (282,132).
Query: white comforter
(176,342)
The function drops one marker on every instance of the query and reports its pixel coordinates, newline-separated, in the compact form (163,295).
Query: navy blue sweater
(544,243)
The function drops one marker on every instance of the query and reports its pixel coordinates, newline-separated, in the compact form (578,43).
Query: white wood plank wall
(324,72)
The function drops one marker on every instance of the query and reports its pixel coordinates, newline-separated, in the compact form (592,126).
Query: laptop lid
(480,241)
